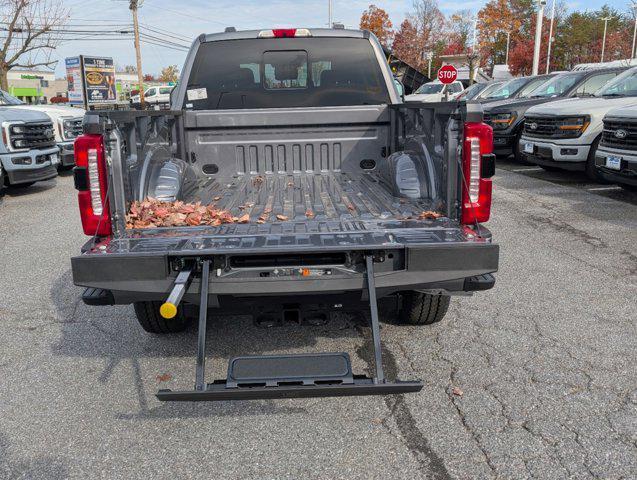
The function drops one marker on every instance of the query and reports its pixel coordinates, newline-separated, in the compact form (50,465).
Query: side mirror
(401,88)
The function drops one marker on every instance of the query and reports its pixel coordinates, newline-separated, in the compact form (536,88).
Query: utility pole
(605,20)
(548,53)
(634,7)
(329,14)
(140,76)
(538,36)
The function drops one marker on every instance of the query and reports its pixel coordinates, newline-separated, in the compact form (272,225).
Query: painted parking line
(527,169)
(603,189)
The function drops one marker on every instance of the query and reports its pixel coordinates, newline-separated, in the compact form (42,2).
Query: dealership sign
(91,80)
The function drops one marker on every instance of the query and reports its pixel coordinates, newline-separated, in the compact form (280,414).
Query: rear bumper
(628,173)
(146,277)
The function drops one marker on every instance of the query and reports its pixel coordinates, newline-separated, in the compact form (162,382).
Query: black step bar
(289,376)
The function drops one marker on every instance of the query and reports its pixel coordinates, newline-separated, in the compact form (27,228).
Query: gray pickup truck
(287,180)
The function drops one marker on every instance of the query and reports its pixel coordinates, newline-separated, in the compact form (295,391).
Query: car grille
(611,139)
(542,127)
(29,136)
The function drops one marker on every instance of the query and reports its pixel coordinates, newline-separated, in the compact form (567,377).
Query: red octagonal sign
(447,74)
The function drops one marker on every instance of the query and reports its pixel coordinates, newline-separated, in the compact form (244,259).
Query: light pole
(538,36)
(548,53)
(634,7)
(329,13)
(506,57)
(605,19)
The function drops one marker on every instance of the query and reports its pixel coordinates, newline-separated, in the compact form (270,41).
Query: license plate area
(613,162)
(529,147)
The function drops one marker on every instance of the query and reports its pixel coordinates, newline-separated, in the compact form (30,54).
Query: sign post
(446,75)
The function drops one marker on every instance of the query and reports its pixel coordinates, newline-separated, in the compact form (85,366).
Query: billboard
(99,80)
(74,80)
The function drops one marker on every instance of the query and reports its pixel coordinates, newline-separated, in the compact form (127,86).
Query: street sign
(447,74)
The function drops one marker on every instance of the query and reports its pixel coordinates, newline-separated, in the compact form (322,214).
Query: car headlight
(573,126)
(502,121)
(66,127)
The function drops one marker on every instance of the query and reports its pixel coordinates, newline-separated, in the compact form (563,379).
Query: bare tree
(31,33)
(429,21)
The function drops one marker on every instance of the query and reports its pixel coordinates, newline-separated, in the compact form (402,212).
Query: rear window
(285,73)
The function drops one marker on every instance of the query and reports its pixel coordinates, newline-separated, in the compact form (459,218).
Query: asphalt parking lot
(543,366)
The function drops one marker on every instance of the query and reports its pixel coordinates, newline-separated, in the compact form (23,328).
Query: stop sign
(447,74)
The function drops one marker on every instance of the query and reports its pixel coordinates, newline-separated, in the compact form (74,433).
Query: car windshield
(532,85)
(487,91)
(556,87)
(6,99)
(624,85)
(472,91)
(508,88)
(429,88)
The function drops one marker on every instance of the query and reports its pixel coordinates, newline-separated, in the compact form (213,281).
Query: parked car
(491,86)
(154,95)
(309,183)
(28,152)
(516,88)
(67,123)
(616,157)
(507,116)
(565,134)
(436,92)
(473,91)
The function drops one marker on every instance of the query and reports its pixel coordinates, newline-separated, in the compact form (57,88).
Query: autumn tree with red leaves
(377,21)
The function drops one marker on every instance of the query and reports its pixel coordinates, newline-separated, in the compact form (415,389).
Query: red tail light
(91,181)
(476,188)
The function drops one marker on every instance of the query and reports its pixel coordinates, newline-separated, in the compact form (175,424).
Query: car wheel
(591,170)
(150,320)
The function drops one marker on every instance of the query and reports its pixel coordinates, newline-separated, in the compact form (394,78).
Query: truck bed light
(285,33)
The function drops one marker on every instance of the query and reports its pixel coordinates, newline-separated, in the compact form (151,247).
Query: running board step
(219,391)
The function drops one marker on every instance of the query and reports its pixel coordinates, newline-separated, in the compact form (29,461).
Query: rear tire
(150,320)
(423,308)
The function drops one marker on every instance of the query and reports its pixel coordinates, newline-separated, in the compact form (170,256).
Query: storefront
(33,86)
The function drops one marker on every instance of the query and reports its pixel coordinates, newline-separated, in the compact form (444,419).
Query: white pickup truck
(616,157)
(67,124)
(565,134)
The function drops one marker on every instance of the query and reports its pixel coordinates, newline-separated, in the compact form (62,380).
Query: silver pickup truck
(288,179)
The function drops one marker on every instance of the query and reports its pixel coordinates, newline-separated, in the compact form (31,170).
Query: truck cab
(28,151)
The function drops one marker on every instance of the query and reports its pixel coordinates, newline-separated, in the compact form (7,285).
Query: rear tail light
(91,181)
(478,164)
(285,33)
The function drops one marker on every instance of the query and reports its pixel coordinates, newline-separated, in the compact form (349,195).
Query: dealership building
(35,86)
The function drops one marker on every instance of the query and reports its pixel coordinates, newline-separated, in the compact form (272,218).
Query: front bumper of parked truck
(31,166)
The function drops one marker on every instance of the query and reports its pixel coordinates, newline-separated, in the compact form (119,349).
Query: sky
(193,17)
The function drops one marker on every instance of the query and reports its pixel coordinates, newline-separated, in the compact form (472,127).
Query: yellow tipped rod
(169,308)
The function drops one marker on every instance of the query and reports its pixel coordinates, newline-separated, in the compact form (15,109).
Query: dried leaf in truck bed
(225,217)
(187,208)
(161,212)
(351,207)
(260,221)
(309,214)
(194,219)
(282,218)
(429,215)
(244,218)
(290,184)
(216,199)
(257,181)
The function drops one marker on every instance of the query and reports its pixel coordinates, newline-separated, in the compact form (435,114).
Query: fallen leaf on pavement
(164,377)
(457,392)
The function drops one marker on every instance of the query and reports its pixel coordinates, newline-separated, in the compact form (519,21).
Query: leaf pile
(153,213)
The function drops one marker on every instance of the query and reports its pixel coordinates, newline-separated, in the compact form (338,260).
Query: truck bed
(335,198)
